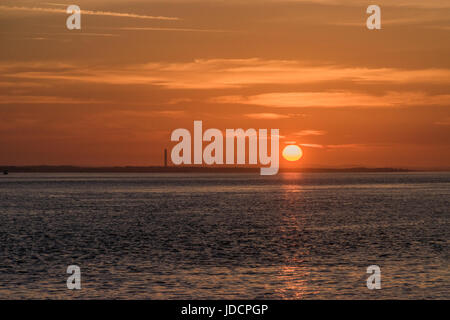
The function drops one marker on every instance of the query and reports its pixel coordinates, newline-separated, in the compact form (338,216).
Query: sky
(111,93)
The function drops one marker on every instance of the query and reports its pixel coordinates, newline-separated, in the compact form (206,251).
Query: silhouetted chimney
(165,158)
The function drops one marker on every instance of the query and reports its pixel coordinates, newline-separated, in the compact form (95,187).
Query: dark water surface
(173,236)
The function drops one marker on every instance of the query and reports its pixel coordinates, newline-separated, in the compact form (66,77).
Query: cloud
(16,99)
(310,133)
(78,34)
(171,29)
(243,73)
(334,146)
(231,73)
(430,21)
(266,116)
(180,100)
(312,145)
(87,12)
(433,4)
(336,99)
(346,146)
(171,113)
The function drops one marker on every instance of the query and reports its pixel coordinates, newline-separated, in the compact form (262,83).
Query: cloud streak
(26,99)
(171,29)
(232,73)
(266,116)
(87,12)
(310,133)
(431,4)
(336,100)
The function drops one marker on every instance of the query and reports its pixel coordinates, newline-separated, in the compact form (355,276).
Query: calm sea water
(223,236)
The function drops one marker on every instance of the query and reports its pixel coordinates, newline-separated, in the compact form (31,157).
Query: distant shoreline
(172,169)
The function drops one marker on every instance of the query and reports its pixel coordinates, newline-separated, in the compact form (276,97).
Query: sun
(292,153)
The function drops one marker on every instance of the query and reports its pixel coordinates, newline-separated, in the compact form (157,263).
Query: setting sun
(292,153)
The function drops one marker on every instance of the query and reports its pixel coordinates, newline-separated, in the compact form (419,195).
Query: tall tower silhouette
(165,158)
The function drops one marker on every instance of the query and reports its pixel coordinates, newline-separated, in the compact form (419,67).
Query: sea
(225,235)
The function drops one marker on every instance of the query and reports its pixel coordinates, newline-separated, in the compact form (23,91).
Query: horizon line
(180,169)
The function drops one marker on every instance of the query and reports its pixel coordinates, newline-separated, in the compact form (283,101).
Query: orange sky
(112,93)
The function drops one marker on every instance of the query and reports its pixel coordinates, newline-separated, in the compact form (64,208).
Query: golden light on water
(292,153)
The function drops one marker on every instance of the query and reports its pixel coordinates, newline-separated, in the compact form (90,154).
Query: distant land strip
(181,169)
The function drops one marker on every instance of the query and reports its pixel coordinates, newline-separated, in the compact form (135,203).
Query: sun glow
(292,153)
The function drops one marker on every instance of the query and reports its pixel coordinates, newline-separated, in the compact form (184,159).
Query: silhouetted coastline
(181,169)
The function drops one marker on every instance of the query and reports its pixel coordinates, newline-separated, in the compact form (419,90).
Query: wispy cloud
(310,133)
(25,99)
(437,4)
(237,73)
(346,146)
(78,34)
(334,146)
(266,116)
(171,29)
(245,73)
(312,145)
(336,99)
(171,113)
(430,21)
(87,12)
